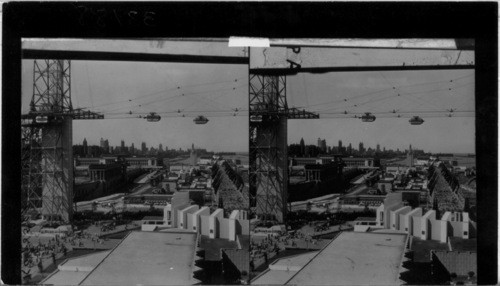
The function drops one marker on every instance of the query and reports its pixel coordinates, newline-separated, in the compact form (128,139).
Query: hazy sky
(215,91)
(116,88)
(427,94)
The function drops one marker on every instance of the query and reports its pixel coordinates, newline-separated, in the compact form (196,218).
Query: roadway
(327,200)
(115,199)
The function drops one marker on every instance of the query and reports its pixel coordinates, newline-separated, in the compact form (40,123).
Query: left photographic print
(134,162)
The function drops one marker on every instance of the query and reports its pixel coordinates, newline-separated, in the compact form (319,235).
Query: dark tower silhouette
(302,147)
(85,147)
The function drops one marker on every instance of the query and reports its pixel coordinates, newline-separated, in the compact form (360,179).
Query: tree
(471,274)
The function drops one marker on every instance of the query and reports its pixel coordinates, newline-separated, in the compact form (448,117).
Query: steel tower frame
(268,161)
(31,194)
(268,170)
(47,136)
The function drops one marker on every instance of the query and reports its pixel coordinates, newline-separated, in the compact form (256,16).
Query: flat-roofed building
(282,270)
(150,223)
(143,162)
(205,160)
(146,258)
(108,172)
(74,270)
(396,169)
(322,172)
(358,162)
(305,161)
(355,258)
(88,161)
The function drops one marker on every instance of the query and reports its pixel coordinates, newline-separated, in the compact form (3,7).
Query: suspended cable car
(256,118)
(153,117)
(368,117)
(200,119)
(416,120)
(42,119)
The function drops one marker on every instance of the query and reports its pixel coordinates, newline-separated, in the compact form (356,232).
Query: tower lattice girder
(57,171)
(47,142)
(269,114)
(47,151)
(268,160)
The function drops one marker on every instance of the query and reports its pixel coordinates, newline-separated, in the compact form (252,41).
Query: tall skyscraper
(106,146)
(349,149)
(132,149)
(85,147)
(409,157)
(302,147)
(122,147)
(323,146)
(378,147)
(193,156)
(361,148)
(144,150)
(101,143)
(160,148)
(341,151)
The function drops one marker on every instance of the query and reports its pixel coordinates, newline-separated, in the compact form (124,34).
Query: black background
(277,20)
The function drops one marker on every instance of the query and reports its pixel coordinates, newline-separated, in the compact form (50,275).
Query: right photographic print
(362,162)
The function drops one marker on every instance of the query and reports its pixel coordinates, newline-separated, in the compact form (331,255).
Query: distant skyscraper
(323,146)
(302,147)
(340,144)
(101,143)
(85,147)
(349,149)
(319,142)
(378,147)
(361,148)
(122,147)
(160,148)
(193,156)
(106,146)
(144,149)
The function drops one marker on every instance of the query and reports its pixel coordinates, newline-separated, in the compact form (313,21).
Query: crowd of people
(35,252)
(36,249)
(272,244)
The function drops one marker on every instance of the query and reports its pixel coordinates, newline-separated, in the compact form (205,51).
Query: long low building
(146,258)
(353,258)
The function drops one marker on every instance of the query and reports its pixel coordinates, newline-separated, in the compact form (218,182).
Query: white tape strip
(248,42)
